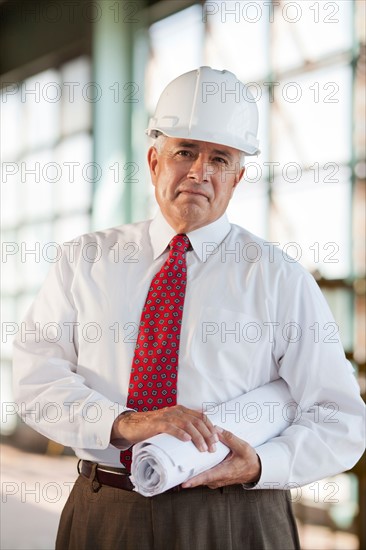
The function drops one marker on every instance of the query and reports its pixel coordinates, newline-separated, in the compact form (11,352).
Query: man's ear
(239,176)
(152,159)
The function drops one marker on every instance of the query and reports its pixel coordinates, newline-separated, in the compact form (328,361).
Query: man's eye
(221,160)
(184,153)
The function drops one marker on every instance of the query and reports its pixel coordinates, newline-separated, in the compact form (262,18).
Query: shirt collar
(203,240)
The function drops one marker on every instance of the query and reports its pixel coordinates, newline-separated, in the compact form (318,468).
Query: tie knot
(180,243)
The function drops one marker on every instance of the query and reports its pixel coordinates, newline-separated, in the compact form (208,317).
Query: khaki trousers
(98,517)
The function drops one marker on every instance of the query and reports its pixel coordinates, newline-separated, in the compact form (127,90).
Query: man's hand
(242,465)
(185,424)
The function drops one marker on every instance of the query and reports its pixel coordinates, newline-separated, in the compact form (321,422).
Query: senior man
(148,368)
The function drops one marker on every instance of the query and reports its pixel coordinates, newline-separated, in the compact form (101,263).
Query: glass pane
(246,23)
(38,173)
(77,91)
(306,31)
(12,120)
(312,118)
(176,47)
(316,218)
(248,207)
(67,229)
(74,188)
(10,193)
(41,95)
(10,257)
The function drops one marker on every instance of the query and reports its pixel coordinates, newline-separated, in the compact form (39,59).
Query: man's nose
(200,169)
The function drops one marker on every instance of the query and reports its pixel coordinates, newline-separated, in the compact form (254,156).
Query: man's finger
(210,476)
(180,422)
(229,439)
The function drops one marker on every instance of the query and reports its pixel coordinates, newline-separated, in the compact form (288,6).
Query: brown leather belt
(113,477)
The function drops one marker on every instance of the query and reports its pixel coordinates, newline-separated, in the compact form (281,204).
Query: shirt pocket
(231,348)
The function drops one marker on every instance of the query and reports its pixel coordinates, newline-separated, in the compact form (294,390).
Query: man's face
(194,181)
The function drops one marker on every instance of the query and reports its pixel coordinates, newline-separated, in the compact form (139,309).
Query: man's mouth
(192,192)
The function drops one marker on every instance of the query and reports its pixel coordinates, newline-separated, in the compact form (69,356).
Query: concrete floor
(34,489)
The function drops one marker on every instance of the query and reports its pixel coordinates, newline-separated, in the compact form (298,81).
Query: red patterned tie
(153,379)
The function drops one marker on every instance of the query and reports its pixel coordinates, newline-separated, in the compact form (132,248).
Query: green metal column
(114,27)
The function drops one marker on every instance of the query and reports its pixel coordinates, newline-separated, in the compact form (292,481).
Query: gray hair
(159,142)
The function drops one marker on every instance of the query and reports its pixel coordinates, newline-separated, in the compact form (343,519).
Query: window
(47,189)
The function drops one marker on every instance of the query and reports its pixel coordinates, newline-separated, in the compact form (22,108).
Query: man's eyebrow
(189,144)
(192,145)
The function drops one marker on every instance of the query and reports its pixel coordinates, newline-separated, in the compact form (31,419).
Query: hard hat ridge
(208,105)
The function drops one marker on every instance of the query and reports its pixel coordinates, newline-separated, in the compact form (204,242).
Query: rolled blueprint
(163,461)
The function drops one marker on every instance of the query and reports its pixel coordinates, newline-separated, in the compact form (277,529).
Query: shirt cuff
(253,484)
(249,485)
(275,467)
(113,442)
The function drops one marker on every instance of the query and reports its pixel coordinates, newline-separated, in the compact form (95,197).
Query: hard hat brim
(210,137)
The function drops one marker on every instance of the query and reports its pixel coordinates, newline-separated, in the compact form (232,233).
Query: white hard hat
(208,105)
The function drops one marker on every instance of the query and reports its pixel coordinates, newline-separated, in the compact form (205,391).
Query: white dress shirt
(251,315)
